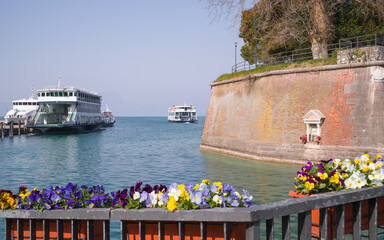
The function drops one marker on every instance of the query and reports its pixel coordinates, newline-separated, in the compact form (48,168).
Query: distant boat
(67,110)
(182,113)
(108,118)
(22,111)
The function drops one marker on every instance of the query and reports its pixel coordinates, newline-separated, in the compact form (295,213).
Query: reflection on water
(266,181)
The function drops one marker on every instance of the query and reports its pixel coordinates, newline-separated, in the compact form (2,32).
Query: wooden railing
(225,223)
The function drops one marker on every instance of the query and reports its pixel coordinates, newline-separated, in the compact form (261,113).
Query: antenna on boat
(33,92)
(58,85)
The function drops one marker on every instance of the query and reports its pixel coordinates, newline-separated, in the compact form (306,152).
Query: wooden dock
(12,129)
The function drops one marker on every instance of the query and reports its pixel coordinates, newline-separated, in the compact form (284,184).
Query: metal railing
(227,218)
(306,53)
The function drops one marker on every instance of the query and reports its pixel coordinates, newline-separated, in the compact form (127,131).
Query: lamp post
(235,56)
(256,23)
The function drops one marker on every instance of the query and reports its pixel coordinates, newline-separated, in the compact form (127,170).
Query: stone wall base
(288,153)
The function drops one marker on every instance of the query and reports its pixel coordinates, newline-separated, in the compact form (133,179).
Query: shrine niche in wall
(313,120)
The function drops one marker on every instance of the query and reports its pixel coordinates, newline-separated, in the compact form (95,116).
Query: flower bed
(335,175)
(183,197)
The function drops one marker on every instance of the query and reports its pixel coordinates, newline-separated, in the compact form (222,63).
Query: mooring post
(11,129)
(2,130)
(18,128)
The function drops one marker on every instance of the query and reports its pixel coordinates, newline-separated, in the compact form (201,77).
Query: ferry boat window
(65,94)
(38,94)
(24,103)
(60,94)
(29,103)
(43,94)
(70,94)
(56,94)
(47,94)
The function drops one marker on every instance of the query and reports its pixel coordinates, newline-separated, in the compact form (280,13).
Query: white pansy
(380,174)
(175,193)
(360,181)
(238,194)
(348,166)
(160,200)
(217,199)
(336,162)
(377,182)
(153,198)
(350,183)
(136,195)
(364,158)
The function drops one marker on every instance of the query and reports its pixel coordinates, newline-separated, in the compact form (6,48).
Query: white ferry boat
(108,118)
(67,110)
(22,111)
(182,113)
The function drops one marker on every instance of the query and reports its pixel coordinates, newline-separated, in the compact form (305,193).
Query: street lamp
(256,25)
(235,57)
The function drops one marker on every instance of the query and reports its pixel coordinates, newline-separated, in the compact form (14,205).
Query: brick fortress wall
(260,116)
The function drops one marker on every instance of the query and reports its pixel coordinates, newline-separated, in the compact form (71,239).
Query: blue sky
(141,56)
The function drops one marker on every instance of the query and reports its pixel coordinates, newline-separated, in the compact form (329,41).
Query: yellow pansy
(181,187)
(172,204)
(206,181)
(24,195)
(357,161)
(303,178)
(2,205)
(11,202)
(365,169)
(6,195)
(196,186)
(378,156)
(344,175)
(219,186)
(335,178)
(309,185)
(322,176)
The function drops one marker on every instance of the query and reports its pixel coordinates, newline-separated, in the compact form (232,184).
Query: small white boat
(182,113)
(108,118)
(22,111)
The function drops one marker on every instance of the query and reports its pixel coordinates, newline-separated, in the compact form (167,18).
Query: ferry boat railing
(254,218)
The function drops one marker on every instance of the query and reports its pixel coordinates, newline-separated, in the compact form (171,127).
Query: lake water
(146,149)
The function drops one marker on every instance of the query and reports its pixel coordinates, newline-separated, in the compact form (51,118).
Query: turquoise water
(147,149)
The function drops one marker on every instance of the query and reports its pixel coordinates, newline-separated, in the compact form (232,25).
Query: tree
(289,24)
(354,19)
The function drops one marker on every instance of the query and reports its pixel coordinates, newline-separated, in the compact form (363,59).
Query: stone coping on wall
(299,70)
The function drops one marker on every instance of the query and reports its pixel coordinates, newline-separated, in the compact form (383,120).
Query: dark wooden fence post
(2,130)
(18,129)
(11,129)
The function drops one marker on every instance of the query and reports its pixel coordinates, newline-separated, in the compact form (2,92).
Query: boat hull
(65,129)
(183,121)
(108,124)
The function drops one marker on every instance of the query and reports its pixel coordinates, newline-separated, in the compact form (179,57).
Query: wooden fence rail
(221,223)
